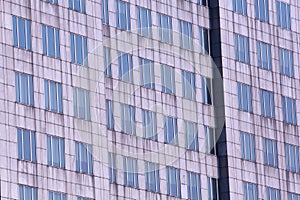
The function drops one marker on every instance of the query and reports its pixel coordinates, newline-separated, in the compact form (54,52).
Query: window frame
(152,177)
(169,178)
(46,30)
(61,151)
(87,104)
(168,74)
(22,149)
(241,45)
(18,42)
(174,130)
(49,99)
(84,158)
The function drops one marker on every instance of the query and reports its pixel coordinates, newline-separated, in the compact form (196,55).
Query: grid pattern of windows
(170,130)
(289,110)
(144,22)
(77,5)
(125,67)
(152,177)
(107,62)
(147,73)
(84,159)
(51,43)
(173,182)
(22,33)
(123,15)
(81,103)
(244,97)
(283,11)
(168,79)
(241,44)
(262,10)
(188,85)
(186,34)
(293,196)
(272,194)
(270,152)
(109,114)
(212,188)
(79,52)
(127,119)
(264,55)
(24,88)
(286,62)
(53,96)
(267,103)
(191,136)
(204,40)
(112,167)
(250,191)
(57,196)
(240,6)
(130,172)
(247,146)
(56,151)
(26,145)
(105,14)
(27,193)
(210,140)
(206,90)
(149,124)
(165,28)
(193,186)
(292,158)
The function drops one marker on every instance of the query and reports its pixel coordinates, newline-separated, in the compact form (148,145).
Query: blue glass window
(109,114)
(147,73)
(250,191)
(206,90)
(270,152)
(56,151)
(247,146)
(191,135)
(152,177)
(262,10)
(202,2)
(283,15)
(79,52)
(107,62)
(125,67)
(24,88)
(292,158)
(165,28)
(241,44)
(289,110)
(204,41)
(128,119)
(264,55)
(84,159)
(105,14)
(51,43)
(244,97)
(193,186)
(57,196)
(22,33)
(123,15)
(81,103)
(149,124)
(212,188)
(188,85)
(267,103)
(53,96)
(144,22)
(210,140)
(168,79)
(173,182)
(286,62)
(27,193)
(77,5)
(293,196)
(272,194)
(186,34)
(112,167)
(170,130)
(240,6)
(130,172)
(26,145)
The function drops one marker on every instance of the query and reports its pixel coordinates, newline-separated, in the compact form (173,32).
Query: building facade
(162,99)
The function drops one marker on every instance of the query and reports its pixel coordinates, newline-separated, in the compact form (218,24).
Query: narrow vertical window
(165,28)
(272,194)
(24,88)
(186,35)
(267,103)
(240,6)
(26,145)
(51,43)
(123,15)
(147,73)
(170,130)
(283,15)
(81,103)
(289,110)
(56,151)
(188,85)
(77,5)
(286,62)
(210,140)
(292,158)
(241,44)
(270,152)
(247,146)
(149,124)
(112,167)
(107,62)
(264,55)
(105,15)
(125,67)
(144,22)
(204,40)
(53,96)
(206,90)
(193,186)
(244,97)
(21,33)
(191,135)
(130,172)
(173,182)
(212,188)
(128,119)
(79,52)
(152,177)
(109,114)
(27,193)
(84,160)
(168,79)
(262,10)
(250,191)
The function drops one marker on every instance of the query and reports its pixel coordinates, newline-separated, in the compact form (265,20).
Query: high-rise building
(150,99)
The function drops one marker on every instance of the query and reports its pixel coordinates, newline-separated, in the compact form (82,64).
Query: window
(193,186)
(168,79)
(27,193)
(52,1)
(289,110)
(77,5)
(81,98)
(170,130)
(107,62)
(149,124)
(152,177)
(128,119)
(57,196)
(147,73)
(240,6)
(292,158)
(247,146)
(125,67)
(186,34)
(272,194)
(173,182)
(283,15)
(293,196)
(262,10)
(241,44)
(188,85)
(250,191)
(109,114)
(123,15)
(245,97)
(201,2)
(286,62)
(51,44)
(112,168)
(105,15)
(270,152)
(144,22)
(130,172)
(165,28)
(24,88)
(210,140)
(212,188)
(22,33)
(83,198)
(204,42)
(206,90)
(26,145)
(84,158)
(191,135)
(56,151)
(79,52)
(267,103)
(264,55)
(53,96)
